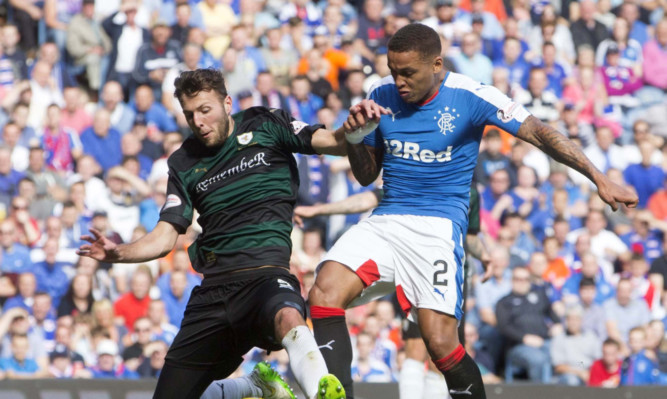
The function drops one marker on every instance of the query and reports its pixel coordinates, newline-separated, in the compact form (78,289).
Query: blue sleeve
(490,106)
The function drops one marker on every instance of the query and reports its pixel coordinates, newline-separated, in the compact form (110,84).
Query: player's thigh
(360,259)
(429,264)
(206,337)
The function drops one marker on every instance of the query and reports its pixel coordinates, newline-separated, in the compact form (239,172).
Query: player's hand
(363,119)
(100,247)
(613,194)
(488,265)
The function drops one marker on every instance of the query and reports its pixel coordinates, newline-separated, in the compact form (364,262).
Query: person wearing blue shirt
(102,142)
(49,273)
(153,112)
(513,61)
(176,297)
(14,257)
(639,368)
(642,239)
(645,177)
(19,365)
(499,184)
(589,269)
(555,71)
(106,367)
(302,103)
(422,126)
(24,299)
(477,65)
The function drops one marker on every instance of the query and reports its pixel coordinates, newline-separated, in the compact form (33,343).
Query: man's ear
(438,64)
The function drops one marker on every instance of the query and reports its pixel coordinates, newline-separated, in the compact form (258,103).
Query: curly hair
(416,37)
(190,83)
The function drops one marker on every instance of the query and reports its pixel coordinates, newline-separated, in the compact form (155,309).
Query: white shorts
(421,257)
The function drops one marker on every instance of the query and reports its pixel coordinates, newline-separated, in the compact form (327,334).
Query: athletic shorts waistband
(245,274)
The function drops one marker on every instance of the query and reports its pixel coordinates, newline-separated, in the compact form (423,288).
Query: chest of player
(247,167)
(424,134)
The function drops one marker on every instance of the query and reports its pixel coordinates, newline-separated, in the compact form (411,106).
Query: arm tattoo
(474,246)
(557,146)
(365,161)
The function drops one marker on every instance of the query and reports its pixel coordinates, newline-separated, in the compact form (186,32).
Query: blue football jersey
(430,150)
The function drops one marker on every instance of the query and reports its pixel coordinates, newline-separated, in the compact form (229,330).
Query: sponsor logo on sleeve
(297,126)
(244,138)
(172,201)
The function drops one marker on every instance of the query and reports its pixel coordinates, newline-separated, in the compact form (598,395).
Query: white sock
(305,359)
(435,386)
(411,379)
(232,388)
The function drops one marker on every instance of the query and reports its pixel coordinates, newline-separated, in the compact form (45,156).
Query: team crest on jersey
(244,138)
(297,126)
(446,120)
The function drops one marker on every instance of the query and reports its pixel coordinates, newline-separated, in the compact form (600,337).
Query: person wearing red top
(606,372)
(134,304)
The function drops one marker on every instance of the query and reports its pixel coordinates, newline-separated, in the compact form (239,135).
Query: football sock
(462,375)
(434,386)
(334,342)
(232,388)
(411,379)
(305,359)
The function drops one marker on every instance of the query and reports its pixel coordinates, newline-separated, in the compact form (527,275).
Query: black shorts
(230,314)
(410,330)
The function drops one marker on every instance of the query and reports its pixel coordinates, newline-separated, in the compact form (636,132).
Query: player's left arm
(560,148)
(330,142)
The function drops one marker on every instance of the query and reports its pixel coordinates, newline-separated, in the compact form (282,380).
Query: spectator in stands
(177,297)
(490,159)
(606,372)
(605,244)
(181,26)
(371,33)
(280,62)
(487,296)
(365,368)
(638,368)
(521,199)
(353,90)
(235,77)
(136,341)
(658,271)
(594,318)
(27,15)
(16,322)
(587,30)
(79,297)
(15,256)
(645,177)
(656,343)
(477,65)
(107,364)
(61,145)
(122,115)
(62,364)
(620,81)
(604,153)
(655,56)
(155,58)
(630,50)
(44,93)
(51,54)
(19,365)
(154,113)
(134,304)
(154,361)
(51,277)
(74,223)
(589,270)
(573,353)
(27,286)
(218,20)
(639,30)
(625,312)
(88,44)
(11,133)
(526,319)
(513,61)
(49,185)
(74,115)
(10,40)
(126,38)
(161,329)
(191,58)
(102,141)
(550,30)
(43,320)
(556,72)
(480,355)
(302,103)
(499,184)
(645,238)
(542,103)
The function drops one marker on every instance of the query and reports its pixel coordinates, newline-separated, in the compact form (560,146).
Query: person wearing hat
(108,365)
(88,43)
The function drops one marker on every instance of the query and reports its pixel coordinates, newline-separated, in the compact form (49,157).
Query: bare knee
(286,319)
(335,286)
(441,345)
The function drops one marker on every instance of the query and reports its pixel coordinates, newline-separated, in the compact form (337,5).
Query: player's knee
(441,345)
(286,319)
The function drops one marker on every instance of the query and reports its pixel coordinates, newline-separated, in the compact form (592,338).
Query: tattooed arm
(560,148)
(366,162)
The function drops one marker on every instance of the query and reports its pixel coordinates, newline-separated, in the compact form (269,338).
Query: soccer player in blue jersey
(427,149)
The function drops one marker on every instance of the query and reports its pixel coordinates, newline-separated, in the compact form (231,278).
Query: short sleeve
(491,107)
(295,135)
(177,209)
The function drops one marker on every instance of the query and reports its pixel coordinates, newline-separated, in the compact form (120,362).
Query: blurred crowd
(88,119)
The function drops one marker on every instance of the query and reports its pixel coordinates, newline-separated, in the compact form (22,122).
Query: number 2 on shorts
(437,279)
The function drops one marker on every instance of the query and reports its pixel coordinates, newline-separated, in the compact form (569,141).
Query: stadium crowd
(88,120)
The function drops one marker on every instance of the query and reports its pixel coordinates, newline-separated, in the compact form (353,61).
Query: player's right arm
(366,161)
(153,245)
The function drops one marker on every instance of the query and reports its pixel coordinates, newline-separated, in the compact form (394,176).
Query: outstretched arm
(153,245)
(560,148)
(366,161)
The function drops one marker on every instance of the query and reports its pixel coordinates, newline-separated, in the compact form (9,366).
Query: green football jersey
(244,191)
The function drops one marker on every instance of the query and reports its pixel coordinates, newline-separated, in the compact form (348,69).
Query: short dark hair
(586,282)
(190,83)
(416,37)
(612,342)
